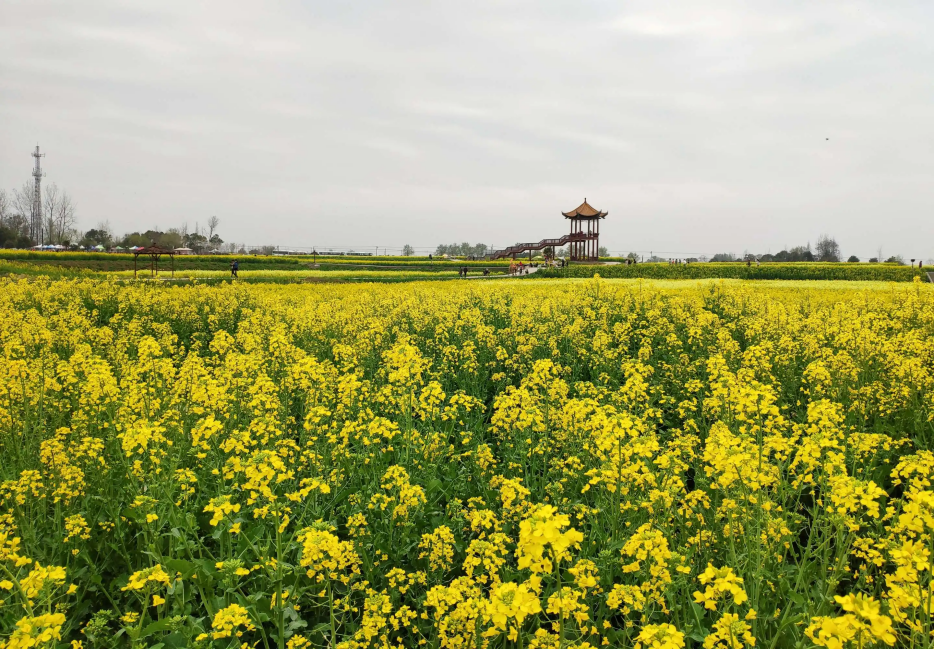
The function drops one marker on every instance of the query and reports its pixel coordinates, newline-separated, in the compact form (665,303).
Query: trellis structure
(154,253)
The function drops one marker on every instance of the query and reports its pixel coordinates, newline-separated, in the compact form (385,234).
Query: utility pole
(35,224)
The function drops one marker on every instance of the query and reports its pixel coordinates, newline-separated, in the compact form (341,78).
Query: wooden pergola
(154,253)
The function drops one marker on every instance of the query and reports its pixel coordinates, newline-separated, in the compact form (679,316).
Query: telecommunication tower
(35,224)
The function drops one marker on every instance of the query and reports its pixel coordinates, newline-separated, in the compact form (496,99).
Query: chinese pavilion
(584,243)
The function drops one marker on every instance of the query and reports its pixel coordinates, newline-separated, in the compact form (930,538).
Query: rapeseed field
(546,465)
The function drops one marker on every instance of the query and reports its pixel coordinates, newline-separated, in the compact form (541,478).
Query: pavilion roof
(585,211)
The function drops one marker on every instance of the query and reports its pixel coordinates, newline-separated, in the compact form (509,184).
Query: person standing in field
(234,267)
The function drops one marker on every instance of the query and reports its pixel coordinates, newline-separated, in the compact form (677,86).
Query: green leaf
(155,627)
(187,568)
(699,635)
(175,640)
(297,624)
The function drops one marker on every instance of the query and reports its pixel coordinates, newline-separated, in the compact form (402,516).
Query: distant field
(275,268)
(247,273)
(736,270)
(102,261)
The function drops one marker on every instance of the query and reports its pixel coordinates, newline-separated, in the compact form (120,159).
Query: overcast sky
(700,127)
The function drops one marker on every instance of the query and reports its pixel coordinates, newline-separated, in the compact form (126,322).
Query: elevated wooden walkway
(519,248)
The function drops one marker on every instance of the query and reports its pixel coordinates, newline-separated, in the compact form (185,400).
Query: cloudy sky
(701,127)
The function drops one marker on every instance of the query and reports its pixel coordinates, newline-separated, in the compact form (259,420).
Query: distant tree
(22,205)
(6,207)
(749,257)
(691,260)
(633,255)
(213,222)
(65,218)
(196,241)
(827,248)
(135,239)
(13,238)
(171,239)
(767,257)
(548,252)
(873,260)
(407,250)
(603,252)
(14,221)
(50,199)
(723,256)
(96,237)
(853,259)
(152,237)
(895,259)
(461,250)
(798,253)
(215,241)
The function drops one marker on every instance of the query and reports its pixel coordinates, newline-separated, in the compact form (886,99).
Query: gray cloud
(700,128)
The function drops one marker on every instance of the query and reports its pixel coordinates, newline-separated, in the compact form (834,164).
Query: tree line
(198,240)
(20,228)
(827,250)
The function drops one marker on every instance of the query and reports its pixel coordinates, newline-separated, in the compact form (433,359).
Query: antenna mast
(35,224)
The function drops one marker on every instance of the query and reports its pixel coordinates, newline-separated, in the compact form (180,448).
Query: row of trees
(55,225)
(199,240)
(826,249)
(462,250)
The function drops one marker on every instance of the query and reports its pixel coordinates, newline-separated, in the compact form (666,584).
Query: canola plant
(512,464)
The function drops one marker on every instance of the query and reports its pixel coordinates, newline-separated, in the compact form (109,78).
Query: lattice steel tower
(35,224)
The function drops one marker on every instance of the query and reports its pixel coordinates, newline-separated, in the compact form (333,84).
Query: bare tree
(50,201)
(6,208)
(64,218)
(22,205)
(213,222)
